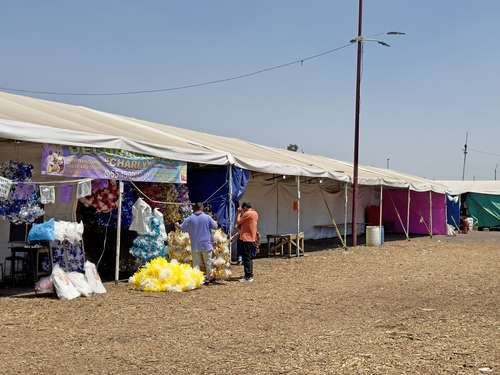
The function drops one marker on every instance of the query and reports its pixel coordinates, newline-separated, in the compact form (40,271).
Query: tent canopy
(481,187)
(34,120)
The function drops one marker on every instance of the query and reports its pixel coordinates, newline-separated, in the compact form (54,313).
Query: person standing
(247,219)
(199,225)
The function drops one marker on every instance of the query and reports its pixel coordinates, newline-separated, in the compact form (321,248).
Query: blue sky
(419,97)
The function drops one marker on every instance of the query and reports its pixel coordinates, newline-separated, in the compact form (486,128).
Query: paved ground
(425,306)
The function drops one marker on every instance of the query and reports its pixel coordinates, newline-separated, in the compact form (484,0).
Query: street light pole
(356,125)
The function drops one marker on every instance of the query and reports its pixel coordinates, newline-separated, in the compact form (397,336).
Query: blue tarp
(211,184)
(453,210)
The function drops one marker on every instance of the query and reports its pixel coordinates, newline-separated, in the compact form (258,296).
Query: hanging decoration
(104,196)
(185,209)
(160,275)
(47,194)
(22,205)
(83,189)
(221,258)
(22,191)
(179,247)
(27,214)
(16,170)
(5,186)
(149,245)
(100,220)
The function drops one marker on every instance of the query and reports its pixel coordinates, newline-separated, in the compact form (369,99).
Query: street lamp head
(382,43)
(362,39)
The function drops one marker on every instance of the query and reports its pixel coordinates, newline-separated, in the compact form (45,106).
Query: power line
(484,152)
(182,87)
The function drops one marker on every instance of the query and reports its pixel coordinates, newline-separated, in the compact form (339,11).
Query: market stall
(313,197)
(324,210)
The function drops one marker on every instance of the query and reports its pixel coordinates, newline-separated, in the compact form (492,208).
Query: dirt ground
(420,307)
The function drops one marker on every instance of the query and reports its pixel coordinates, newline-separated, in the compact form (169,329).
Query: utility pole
(356,126)
(465,154)
(496,167)
(388,160)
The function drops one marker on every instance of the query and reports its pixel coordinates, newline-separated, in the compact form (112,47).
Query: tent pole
(430,212)
(230,208)
(399,217)
(118,231)
(339,235)
(446,210)
(298,215)
(380,211)
(345,215)
(277,206)
(408,215)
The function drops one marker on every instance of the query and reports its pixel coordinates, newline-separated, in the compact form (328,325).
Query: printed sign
(106,163)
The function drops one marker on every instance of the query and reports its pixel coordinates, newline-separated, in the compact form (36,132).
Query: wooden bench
(277,242)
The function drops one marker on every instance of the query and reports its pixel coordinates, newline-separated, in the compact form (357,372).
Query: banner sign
(106,163)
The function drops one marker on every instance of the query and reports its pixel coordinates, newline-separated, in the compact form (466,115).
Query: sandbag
(80,283)
(64,288)
(93,278)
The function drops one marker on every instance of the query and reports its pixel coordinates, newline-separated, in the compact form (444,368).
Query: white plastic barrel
(373,237)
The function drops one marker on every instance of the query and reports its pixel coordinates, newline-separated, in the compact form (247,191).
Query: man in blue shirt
(199,225)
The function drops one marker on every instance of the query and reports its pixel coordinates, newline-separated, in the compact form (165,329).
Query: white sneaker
(244,280)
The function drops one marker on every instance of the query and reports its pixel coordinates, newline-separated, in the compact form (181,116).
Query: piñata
(179,247)
(221,258)
(160,275)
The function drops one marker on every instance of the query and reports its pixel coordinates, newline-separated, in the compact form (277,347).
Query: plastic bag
(44,285)
(80,283)
(93,278)
(62,284)
(42,232)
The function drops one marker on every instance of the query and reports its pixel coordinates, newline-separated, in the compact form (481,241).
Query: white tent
(27,119)
(39,121)
(480,187)
(273,198)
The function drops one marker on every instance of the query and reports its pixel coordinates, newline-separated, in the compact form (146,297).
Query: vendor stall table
(31,258)
(276,243)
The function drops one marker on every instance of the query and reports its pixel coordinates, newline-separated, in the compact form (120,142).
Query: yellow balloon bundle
(179,247)
(221,258)
(160,275)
